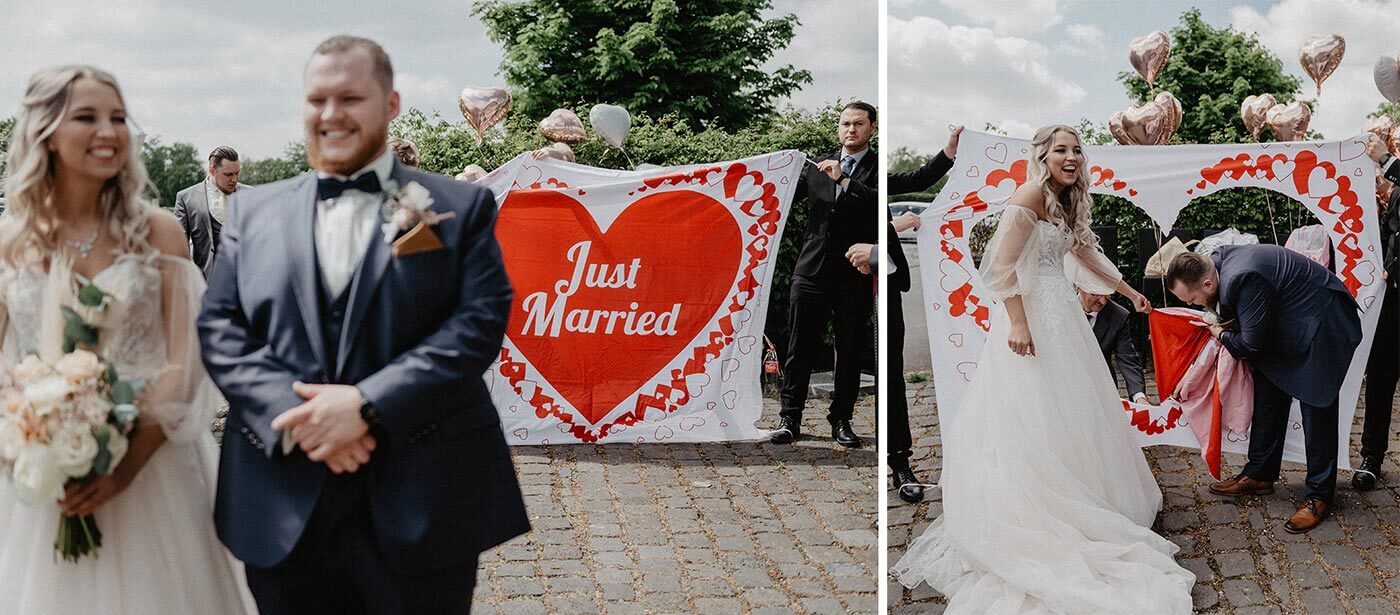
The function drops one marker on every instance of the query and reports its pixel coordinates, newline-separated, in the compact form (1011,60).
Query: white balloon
(611,122)
(1387,75)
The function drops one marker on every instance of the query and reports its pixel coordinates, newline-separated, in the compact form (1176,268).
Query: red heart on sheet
(673,255)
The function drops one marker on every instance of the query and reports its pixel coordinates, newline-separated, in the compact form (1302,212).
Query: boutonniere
(407,210)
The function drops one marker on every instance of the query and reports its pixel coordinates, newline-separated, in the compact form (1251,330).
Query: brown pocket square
(420,239)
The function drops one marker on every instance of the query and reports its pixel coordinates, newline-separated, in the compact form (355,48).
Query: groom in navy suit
(1298,327)
(364,469)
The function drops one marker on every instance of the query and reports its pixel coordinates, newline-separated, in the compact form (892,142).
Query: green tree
(702,63)
(1385,108)
(171,168)
(292,162)
(1211,71)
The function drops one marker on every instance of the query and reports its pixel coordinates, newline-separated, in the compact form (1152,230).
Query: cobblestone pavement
(694,528)
(1243,560)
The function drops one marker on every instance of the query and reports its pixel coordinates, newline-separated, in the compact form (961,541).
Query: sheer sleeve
(180,396)
(1009,262)
(1088,268)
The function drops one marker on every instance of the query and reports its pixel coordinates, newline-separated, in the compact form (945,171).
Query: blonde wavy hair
(29,188)
(1066,208)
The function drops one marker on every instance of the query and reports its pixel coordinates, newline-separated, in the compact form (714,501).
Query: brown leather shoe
(1311,513)
(1242,485)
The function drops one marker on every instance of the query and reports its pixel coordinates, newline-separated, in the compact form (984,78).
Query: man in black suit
(202,208)
(1110,324)
(841,199)
(1383,367)
(901,441)
(1298,327)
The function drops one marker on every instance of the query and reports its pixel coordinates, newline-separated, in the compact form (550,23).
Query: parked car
(898,208)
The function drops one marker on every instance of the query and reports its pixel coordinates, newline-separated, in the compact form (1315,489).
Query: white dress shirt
(346,224)
(218,201)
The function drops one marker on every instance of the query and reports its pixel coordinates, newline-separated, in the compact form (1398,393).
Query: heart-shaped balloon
(471,173)
(1289,122)
(1387,75)
(1152,123)
(1148,54)
(560,151)
(563,125)
(612,123)
(483,107)
(1320,55)
(1383,127)
(1254,111)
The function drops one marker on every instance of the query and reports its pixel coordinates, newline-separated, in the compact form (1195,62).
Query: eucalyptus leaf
(91,296)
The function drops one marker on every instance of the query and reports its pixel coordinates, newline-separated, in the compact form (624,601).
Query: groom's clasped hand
(328,426)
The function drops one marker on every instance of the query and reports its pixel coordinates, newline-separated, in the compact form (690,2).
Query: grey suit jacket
(1294,321)
(201,228)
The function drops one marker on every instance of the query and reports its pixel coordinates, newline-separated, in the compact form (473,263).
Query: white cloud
(1369,28)
(942,74)
(838,41)
(1086,38)
(1010,16)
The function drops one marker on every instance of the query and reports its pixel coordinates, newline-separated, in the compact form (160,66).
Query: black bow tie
(329,188)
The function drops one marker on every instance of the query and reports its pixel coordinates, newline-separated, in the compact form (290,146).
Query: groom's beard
(365,154)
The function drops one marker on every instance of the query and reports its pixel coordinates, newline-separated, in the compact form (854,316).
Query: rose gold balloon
(559,151)
(1168,101)
(1152,123)
(1254,111)
(483,107)
(471,173)
(1383,127)
(1320,55)
(1289,122)
(1394,145)
(563,125)
(1148,54)
(1387,76)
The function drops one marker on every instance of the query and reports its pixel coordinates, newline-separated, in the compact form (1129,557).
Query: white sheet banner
(640,298)
(1335,180)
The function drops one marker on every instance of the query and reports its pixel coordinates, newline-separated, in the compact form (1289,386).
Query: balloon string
(1157,233)
(1268,199)
(629,158)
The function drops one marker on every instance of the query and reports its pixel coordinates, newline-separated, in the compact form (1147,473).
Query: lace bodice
(131,338)
(1054,245)
(1028,256)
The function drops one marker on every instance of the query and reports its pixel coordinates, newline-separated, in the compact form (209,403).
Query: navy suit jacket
(419,333)
(1294,321)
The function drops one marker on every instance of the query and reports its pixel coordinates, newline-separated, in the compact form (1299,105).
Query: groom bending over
(1298,328)
(365,468)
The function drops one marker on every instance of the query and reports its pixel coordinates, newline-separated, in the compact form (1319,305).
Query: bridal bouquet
(66,420)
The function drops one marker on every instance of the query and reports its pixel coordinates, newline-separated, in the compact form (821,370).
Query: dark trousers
(1270,427)
(1382,372)
(897,410)
(336,568)
(814,305)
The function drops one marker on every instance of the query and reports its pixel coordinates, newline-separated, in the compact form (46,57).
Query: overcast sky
(1021,64)
(229,73)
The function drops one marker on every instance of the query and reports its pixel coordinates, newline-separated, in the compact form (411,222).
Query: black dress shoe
(1368,475)
(789,430)
(907,485)
(841,432)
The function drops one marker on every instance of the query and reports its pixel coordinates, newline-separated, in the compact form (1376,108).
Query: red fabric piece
(1175,344)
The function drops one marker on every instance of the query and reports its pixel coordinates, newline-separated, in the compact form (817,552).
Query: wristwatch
(368,413)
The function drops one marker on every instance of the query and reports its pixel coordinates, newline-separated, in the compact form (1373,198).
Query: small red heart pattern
(692,247)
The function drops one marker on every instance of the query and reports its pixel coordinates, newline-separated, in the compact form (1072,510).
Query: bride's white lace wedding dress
(1047,499)
(159,552)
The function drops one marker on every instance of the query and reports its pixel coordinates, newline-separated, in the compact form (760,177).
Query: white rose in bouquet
(12,440)
(47,394)
(93,409)
(31,369)
(38,480)
(74,447)
(117,446)
(79,366)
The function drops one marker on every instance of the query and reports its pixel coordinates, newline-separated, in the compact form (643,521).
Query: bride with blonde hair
(1047,500)
(77,212)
